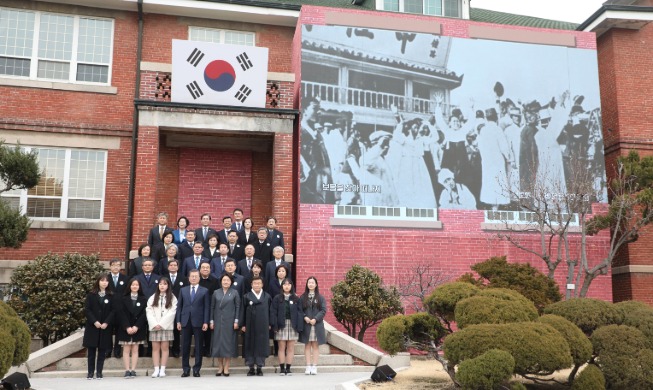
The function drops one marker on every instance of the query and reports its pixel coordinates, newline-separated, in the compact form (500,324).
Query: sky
(576,11)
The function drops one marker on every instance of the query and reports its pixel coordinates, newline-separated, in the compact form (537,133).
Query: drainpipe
(132,166)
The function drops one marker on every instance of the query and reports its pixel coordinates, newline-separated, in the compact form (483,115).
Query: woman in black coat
(132,321)
(247,235)
(286,321)
(97,331)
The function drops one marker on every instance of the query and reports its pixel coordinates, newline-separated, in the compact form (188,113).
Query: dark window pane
(14,66)
(93,73)
(43,208)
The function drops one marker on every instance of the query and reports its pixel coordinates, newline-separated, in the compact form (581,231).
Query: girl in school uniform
(132,320)
(97,331)
(313,307)
(286,321)
(161,310)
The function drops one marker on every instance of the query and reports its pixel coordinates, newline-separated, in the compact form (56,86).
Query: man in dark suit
(177,281)
(217,263)
(274,236)
(192,319)
(148,279)
(236,251)
(223,235)
(271,267)
(186,247)
(238,220)
(203,232)
(117,282)
(194,261)
(262,246)
(210,283)
(156,234)
(239,280)
(245,265)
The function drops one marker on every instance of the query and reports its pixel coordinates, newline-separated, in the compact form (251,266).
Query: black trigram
(243,93)
(244,61)
(195,57)
(194,90)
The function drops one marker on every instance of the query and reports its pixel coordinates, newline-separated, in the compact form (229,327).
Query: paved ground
(327,381)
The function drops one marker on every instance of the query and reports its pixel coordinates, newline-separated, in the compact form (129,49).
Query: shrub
(587,313)
(7,347)
(623,361)
(517,386)
(360,301)
(496,272)
(8,310)
(489,310)
(19,331)
(631,306)
(640,316)
(51,291)
(444,298)
(579,344)
(537,348)
(591,378)
(391,334)
(487,371)
(424,328)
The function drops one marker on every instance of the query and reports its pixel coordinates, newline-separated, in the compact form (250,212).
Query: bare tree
(415,286)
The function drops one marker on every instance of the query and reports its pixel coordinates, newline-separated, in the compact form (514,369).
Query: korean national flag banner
(211,73)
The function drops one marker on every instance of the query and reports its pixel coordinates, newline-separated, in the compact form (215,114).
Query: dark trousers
(91,363)
(174,347)
(114,340)
(187,332)
(207,342)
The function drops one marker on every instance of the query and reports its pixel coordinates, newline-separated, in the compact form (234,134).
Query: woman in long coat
(313,309)
(225,311)
(97,331)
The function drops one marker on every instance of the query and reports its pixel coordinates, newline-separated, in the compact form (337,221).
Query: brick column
(147,162)
(282,186)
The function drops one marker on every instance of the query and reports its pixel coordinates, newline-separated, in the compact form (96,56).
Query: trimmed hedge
(390,334)
(639,317)
(587,313)
(579,344)
(21,335)
(444,298)
(591,378)
(487,371)
(621,357)
(490,310)
(423,327)
(627,307)
(7,347)
(536,347)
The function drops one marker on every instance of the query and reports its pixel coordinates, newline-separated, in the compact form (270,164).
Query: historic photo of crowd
(423,121)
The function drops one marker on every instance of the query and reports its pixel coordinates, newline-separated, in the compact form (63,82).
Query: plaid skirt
(161,335)
(131,342)
(312,336)
(287,333)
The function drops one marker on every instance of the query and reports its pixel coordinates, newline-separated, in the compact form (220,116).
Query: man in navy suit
(274,236)
(156,234)
(203,232)
(271,267)
(239,280)
(186,247)
(223,235)
(148,279)
(177,281)
(238,220)
(236,251)
(217,263)
(193,262)
(192,319)
(117,281)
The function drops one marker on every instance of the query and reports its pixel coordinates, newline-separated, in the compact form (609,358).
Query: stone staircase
(66,359)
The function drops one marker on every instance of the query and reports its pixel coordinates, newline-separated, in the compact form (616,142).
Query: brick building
(624,32)
(87,84)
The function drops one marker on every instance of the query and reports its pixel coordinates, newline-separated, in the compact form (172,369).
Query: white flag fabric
(212,73)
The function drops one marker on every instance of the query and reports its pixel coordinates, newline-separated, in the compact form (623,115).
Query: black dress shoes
(251,372)
(259,372)
(185,374)
(196,374)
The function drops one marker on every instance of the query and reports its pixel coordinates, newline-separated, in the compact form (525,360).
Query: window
(71,187)
(221,36)
(427,7)
(47,46)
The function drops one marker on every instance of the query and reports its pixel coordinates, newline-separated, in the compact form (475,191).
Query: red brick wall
(626,77)
(261,185)
(215,182)
(167,185)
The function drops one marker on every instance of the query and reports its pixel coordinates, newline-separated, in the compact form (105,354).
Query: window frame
(222,32)
(23,196)
(380,6)
(73,63)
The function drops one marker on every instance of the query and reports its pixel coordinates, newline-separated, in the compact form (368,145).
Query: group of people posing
(208,285)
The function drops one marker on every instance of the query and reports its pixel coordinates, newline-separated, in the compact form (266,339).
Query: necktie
(249,264)
(205,233)
(161,232)
(232,248)
(173,278)
(197,262)
(148,278)
(115,280)
(238,226)
(192,294)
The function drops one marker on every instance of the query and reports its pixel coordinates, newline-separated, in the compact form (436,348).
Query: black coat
(130,315)
(255,317)
(312,311)
(278,313)
(100,310)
